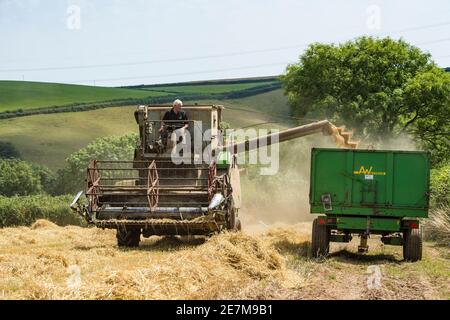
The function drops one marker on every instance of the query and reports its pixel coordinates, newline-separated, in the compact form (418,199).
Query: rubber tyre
(412,246)
(320,244)
(128,237)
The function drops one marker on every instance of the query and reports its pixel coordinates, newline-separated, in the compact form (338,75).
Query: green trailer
(364,192)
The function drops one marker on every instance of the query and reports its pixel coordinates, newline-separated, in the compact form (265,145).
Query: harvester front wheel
(128,237)
(320,244)
(412,246)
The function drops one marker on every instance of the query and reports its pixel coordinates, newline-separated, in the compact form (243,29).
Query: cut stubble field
(42,262)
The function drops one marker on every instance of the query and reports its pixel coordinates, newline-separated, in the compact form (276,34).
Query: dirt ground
(264,262)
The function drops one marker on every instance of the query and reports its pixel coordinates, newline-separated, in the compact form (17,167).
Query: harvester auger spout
(157,194)
(340,136)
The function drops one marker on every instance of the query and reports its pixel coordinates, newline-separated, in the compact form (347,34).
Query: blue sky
(127,42)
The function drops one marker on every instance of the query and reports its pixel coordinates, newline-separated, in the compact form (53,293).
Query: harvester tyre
(320,244)
(128,237)
(412,246)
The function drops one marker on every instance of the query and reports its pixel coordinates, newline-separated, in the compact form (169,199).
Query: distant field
(27,95)
(49,138)
(20,95)
(212,88)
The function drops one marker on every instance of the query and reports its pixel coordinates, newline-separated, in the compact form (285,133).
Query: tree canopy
(379,87)
(70,179)
(18,178)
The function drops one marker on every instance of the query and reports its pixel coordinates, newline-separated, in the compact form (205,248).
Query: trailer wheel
(412,246)
(320,244)
(128,237)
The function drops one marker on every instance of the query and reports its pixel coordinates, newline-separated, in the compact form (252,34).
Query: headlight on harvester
(79,208)
(74,204)
(216,201)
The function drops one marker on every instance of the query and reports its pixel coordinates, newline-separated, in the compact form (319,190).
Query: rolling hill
(22,96)
(206,88)
(29,95)
(49,138)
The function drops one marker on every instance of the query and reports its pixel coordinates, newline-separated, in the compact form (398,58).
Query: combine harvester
(153,195)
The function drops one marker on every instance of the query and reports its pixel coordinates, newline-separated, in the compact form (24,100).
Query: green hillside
(49,138)
(28,95)
(208,88)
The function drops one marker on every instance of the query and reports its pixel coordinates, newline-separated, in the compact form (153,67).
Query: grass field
(49,138)
(28,95)
(15,95)
(212,88)
(44,261)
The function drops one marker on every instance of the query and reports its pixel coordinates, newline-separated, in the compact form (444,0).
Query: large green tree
(18,178)
(379,87)
(71,178)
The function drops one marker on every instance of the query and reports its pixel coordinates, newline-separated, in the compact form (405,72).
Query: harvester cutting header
(171,187)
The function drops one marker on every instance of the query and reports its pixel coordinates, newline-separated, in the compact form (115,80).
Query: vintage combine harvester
(159,194)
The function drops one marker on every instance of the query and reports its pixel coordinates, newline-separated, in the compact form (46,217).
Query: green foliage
(8,151)
(379,87)
(70,179)
(428,95)
(224,126)
(440,186)
(25,210)
(18,178)
(47,178)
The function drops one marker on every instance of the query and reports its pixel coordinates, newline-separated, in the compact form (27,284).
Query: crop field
(28,95)
(24,95)
(211,88)
(45,261)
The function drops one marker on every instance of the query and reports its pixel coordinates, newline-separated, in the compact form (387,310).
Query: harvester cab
(203,130)
(187,185)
